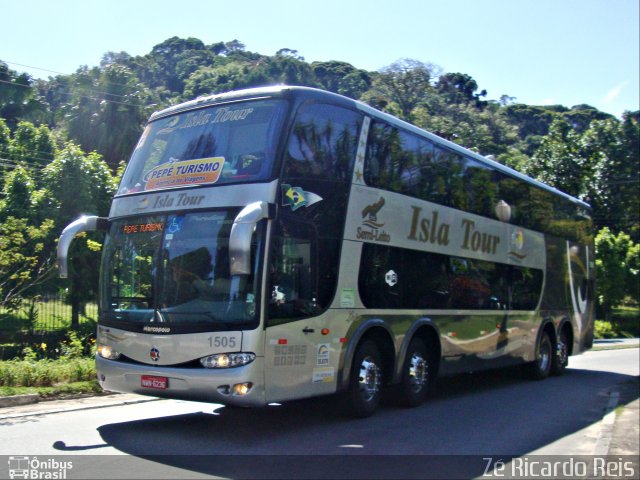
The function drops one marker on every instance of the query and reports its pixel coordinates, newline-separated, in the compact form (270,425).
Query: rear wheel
(541,366)
(365,382)
(561,354)
(417,374)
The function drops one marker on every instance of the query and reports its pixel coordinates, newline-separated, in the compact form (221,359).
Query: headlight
(227,360)
(105,351)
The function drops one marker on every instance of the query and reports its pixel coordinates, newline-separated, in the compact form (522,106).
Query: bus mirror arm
(83,224)
(241,234)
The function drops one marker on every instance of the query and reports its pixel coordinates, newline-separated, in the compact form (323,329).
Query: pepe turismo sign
(187,172)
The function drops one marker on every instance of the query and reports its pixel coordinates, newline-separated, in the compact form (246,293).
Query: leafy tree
(109,58)
(18,193)
(616,257)
(559,162)
(24,262)
(460,88)
(530,119)
(581,116)
(404,84)
(611,150)
(288,70)
(108,112)
(208,80)
(18,100)
(233,46)
(76,184)
(485,131)
(5,141)
(167,55)
(342,78)
(288,52)
(34,146)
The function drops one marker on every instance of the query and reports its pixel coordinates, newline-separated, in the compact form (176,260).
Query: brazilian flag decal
(295,197)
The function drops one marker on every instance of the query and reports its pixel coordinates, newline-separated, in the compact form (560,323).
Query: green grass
(46,373)
(63,390)
(625,323)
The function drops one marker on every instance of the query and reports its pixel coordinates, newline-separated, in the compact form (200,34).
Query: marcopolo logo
(35,468)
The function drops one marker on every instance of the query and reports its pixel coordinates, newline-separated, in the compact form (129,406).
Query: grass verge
(48,378)
(57,391)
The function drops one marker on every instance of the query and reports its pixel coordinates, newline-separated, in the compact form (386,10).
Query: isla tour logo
(34,468)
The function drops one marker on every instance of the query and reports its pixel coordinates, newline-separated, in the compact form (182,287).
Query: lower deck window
(393,277)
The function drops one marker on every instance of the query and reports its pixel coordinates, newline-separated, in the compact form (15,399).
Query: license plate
(150,381)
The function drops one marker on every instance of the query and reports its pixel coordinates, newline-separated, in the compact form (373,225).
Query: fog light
(224,389)
(240,389)
(105,351)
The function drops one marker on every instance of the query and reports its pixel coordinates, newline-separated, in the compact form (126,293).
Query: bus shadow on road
(469,418)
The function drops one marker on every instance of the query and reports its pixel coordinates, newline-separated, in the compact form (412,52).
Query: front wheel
(541,367)
(365,382)
(417,375)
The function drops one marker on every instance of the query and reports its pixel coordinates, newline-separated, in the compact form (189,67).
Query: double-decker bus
(278,243)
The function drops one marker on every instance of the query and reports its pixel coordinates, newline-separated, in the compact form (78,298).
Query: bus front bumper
(225,386)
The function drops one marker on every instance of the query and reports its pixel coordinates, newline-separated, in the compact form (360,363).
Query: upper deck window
(322,143)
(221,144)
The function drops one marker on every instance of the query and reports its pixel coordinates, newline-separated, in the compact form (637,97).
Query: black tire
(561,354)
(365,382)
(417,375)
(540,368)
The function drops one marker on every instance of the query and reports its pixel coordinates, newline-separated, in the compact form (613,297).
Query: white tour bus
(278,243)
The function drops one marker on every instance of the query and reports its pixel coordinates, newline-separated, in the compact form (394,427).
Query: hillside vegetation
(63,142)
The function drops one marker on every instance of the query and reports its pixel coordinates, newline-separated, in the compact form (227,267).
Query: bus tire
(365,382)
(417,375)
(561,354)
(540,368)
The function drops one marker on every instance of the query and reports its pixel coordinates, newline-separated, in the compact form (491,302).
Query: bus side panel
(568,292)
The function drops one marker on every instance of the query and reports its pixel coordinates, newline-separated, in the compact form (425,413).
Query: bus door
(297,358)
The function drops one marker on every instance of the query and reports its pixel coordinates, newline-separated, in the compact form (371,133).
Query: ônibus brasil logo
(28,467)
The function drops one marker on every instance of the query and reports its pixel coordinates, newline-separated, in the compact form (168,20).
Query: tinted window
(175,269)
(322,144)
(402,162)
(481,188)
(399,161)
(214,145)
(299,286)
(400,278)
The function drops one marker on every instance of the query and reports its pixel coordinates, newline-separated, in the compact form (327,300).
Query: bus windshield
(173,271)
(217,145)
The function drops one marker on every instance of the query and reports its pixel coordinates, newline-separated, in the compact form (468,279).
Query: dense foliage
(48,126)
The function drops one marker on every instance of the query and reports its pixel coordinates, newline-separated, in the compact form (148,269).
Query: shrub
(605,329)
(45,373)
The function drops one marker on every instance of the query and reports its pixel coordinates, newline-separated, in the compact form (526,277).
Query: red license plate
(149,381)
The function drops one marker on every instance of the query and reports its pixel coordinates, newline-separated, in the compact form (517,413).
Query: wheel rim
(563,352)
(369,379)
(418,372)
(544,353)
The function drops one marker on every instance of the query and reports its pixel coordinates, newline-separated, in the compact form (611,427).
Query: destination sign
(142,228)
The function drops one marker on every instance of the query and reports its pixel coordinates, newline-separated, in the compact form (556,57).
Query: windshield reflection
(175,269)
(214,145)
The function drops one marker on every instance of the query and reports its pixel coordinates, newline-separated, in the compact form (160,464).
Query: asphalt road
(470,418)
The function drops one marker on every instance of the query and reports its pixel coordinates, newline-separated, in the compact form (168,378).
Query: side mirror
(82,224)
(241,233)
